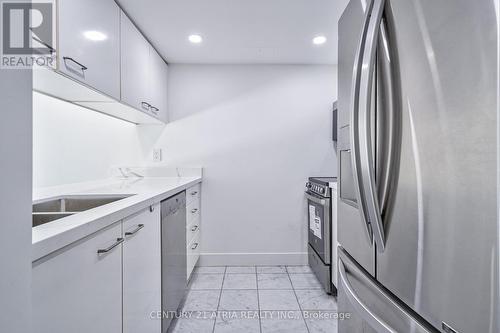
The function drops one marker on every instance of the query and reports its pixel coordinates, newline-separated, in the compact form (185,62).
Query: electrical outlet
(157,155)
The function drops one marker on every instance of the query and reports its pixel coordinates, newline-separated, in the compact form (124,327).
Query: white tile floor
(262,299)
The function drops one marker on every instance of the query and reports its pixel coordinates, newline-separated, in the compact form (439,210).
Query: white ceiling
(240,31)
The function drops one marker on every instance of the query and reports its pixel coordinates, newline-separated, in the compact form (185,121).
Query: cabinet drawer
(193,253)
(192,230)
(193,193)
(192,212)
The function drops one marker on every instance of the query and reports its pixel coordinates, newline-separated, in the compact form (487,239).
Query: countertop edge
(57,242)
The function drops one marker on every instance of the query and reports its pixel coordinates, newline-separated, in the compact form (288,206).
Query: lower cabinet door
(78,290)
(142,272)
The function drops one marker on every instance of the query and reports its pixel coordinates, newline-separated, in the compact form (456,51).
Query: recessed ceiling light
(96,36)
(319,40)
(195,39)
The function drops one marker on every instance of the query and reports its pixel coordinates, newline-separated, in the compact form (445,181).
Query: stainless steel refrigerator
(417,209)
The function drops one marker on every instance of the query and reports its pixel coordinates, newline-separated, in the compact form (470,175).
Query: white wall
(259,132)
(15,201)
(73,144)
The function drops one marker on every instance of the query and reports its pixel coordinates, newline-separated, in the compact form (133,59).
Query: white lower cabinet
(78,290)
(142,271)
(108,282)
(193,253)
(193,227)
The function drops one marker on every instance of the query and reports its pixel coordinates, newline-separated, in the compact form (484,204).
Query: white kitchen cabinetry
(144,73)
(134,66)
(105,64)
(78,290)
(193,227)
(158,70)
(142,271)
(89,43)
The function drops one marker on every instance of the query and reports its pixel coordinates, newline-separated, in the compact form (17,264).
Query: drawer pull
(118,242)
(195,245)
(194,193)
(193,229)
(151,208)
(193,211)
(139,227)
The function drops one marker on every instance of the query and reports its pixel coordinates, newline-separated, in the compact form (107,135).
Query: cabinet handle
(193,229)
(118,242)
(195,245)
(193,211)
(146,106)
(130,233)
(51,49)
(83,67)
(194,193)
(151,208)
(154,110)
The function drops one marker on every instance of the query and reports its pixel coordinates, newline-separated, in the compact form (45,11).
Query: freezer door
(353,233)
(371,309)
(440,253)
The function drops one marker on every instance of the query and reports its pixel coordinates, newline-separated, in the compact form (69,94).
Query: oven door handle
(316,199)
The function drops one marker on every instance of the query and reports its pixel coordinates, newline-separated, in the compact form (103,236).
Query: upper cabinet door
(158,84)
(135,66)
(89,43)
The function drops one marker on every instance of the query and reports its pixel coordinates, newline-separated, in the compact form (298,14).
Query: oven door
(318,214)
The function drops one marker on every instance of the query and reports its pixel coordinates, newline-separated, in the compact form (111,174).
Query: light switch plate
(157,155)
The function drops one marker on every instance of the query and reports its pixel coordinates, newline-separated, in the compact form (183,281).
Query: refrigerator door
(440,254)
(353,232)
(373,310)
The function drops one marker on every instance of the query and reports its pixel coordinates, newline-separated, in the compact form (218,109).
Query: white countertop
(52,236)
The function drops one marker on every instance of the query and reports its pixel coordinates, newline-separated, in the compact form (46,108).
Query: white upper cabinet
(144,73)
(158,84)
(89,43)
(134,66)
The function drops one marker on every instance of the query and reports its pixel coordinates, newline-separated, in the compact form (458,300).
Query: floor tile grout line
(300,307)
(258,299)
(220,297)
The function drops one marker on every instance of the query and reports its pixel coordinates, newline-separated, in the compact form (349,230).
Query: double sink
(55,209)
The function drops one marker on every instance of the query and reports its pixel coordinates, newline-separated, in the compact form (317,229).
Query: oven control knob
(308,185)
(321,190)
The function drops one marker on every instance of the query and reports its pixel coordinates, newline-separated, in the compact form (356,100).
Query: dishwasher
(173,256)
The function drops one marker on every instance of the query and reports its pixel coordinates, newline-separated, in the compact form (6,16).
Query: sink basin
(75,204)
(55,209)
(42,218)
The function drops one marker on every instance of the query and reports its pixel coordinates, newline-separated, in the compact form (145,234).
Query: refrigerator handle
(354,125)
(389,118)
(365,119)
(361,308)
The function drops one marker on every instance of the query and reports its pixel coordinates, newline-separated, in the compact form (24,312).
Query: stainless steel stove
(319,195)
